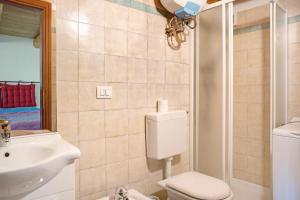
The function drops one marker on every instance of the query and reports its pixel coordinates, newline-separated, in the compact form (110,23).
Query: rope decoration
(176,31)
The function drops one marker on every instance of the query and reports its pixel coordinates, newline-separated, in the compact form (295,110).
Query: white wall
(19,61)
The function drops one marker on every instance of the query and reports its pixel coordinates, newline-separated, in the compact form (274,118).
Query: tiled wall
(246,166)
(251,97)
(294,68)
(293,7)
(121,44)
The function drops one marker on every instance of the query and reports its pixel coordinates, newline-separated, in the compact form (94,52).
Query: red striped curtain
(13,96)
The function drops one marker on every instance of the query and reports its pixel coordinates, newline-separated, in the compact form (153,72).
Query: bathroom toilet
(166,136)
(196,186)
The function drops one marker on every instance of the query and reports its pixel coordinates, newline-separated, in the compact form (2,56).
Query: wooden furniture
(212,1)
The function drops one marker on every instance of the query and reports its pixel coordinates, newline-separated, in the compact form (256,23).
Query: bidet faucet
(5,131)
(121,194)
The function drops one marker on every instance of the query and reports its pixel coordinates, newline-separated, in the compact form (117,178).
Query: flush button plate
(104,92)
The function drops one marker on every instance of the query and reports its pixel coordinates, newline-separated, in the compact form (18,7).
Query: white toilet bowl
(196,186)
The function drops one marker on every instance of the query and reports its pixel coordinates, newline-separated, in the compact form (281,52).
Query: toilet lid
(199,186)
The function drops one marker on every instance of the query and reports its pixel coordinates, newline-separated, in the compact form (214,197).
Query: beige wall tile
(240,162)
(111,132)
(117,174)
(240,111)
(240,42)
(156,48)
(255,112)
(137,145)
(240,76)
(67,35)
(67,66)
(115,69)
(94,196)
(293,55)
(141,186)
(256,58)
(256,94)
(294,95)
(117,149)
(91,67)
(137,70)
(91,12)
(172,92)
(155,93)
(256,75)
(293,110)
(67,9)
(137,21)
(119,100)
(240,59)
(294,33)
(136,120)
(115,42)
(171,55)
(156,71)
(256,148)
(256,39)
(91,38)
(67,126)
(294,74)
(92,181)
(137,95)
(137,45)
(240,128)
(116,123)
(240,145)
(91,125)
(177,73)
(67,93)
(92,153)
(87,97)
(156,25)
(138,169)
(185,51)
(116,16)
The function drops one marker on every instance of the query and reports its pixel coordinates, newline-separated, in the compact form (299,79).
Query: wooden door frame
(46,49)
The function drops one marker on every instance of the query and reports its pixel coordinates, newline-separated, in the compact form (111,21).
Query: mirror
(25,64)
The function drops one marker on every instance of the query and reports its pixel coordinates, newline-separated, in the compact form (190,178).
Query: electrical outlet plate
(104,92)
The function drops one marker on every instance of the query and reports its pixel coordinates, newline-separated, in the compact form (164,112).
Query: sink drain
(7,154)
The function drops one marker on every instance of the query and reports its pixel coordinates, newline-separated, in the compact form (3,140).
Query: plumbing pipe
(168,167)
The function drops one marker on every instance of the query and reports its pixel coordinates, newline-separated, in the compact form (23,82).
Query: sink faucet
(5,131)
(121,194)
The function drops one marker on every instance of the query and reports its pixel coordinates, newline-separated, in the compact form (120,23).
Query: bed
(22,118)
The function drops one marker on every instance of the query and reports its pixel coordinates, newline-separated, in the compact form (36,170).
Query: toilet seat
(197,186)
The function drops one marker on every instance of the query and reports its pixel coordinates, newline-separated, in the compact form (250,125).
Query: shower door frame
(273,81)
(227,92)
(274,5)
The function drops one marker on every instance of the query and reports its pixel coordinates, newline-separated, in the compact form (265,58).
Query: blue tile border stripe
(158,11)
(252,28)
(291,20)
(294,19)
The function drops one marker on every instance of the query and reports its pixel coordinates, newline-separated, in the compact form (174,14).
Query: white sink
(29,162)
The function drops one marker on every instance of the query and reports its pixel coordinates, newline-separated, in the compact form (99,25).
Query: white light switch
(104,92)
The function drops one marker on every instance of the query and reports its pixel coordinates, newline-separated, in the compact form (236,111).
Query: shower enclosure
(240,92)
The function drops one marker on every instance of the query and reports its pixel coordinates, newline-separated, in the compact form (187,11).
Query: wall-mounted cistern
(5,132)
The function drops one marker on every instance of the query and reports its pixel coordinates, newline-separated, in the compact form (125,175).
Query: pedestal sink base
(61,187)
